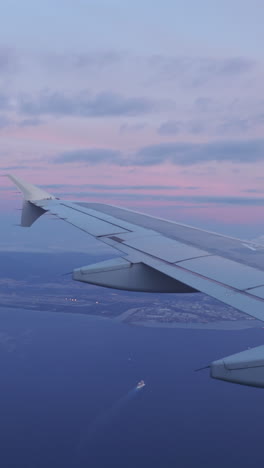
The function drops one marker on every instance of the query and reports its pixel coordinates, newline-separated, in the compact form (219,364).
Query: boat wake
(96,428)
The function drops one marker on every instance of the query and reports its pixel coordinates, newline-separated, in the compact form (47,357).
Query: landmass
(34,290)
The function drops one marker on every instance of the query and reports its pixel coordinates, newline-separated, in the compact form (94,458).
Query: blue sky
(143,26)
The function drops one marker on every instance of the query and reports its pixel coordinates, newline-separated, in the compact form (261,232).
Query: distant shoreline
(224,325)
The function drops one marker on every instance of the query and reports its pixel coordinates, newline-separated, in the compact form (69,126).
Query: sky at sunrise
(153,105)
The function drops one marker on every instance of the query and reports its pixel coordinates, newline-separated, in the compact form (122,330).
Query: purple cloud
(82,104)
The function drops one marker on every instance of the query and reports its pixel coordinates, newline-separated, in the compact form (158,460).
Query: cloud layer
(187,154)
(83,104)
(181,154)
(198,71)
(89,156)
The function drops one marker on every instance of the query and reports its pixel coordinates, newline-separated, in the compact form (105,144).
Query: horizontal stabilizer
(122,274)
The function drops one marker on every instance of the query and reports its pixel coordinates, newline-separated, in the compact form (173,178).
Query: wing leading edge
(157,260)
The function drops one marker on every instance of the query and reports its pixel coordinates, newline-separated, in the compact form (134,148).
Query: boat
(140,384)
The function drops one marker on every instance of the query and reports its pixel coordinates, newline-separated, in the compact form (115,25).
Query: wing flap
(258,292)
(226,271)
(164,248)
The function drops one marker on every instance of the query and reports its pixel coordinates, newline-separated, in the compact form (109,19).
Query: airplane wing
(163,256)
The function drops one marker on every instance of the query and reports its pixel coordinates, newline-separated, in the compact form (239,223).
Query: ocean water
(68,399)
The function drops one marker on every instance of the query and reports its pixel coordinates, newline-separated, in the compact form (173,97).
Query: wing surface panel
(163,247)
(132,236)
(226,271)
(85,220)
(258,292)
(242,251)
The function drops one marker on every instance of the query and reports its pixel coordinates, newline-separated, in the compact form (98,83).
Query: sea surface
(68,398)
